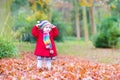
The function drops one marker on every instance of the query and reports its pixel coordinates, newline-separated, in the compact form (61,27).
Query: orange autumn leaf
(82,73)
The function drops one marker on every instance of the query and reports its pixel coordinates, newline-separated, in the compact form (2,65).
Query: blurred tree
(29,11)
(7,48)
(57,21)
(40,8)
(17,4)
(5,16)
(25,15)
(84,4)
(61,17)
(77,20)
(86,35)
(92,19)
(115,8)
(108,34)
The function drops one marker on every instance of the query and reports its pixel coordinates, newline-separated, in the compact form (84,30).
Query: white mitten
(51,51)
(53,26)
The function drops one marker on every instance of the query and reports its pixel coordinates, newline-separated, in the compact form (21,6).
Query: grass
(80,49)
(25,46)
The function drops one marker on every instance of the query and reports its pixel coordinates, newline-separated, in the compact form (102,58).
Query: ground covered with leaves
(64,68)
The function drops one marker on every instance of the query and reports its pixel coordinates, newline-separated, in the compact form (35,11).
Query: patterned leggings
(40,60)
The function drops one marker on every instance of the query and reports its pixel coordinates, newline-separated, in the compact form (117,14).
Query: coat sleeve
(55,32)
(35,31)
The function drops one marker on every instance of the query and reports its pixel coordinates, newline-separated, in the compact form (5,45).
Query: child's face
(47,29)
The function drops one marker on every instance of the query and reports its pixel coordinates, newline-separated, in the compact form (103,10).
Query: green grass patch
(25,46)
(81,49)
(86,50)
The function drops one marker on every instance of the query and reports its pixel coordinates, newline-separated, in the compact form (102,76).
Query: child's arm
(55,31)
(35,31)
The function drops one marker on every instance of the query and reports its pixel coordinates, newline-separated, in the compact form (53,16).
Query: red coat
(40,49)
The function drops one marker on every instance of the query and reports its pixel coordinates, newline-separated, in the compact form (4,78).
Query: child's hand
(51,51)
(37,25)
(53,26)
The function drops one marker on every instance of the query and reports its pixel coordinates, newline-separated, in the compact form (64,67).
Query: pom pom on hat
(43,23)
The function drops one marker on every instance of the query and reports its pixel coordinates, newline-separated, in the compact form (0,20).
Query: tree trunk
(86,35)
(92,21)
(77,22)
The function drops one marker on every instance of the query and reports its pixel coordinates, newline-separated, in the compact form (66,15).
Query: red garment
(40,49)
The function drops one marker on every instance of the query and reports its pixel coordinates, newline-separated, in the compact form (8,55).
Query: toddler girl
(45,32)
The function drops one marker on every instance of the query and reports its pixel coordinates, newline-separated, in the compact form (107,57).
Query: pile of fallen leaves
(64,68)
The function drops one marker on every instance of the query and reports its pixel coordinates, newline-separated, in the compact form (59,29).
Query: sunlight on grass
(80,49)
(88,51)
(25,46)
(72,47)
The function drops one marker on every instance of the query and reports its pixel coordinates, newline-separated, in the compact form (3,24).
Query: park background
(88,29)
